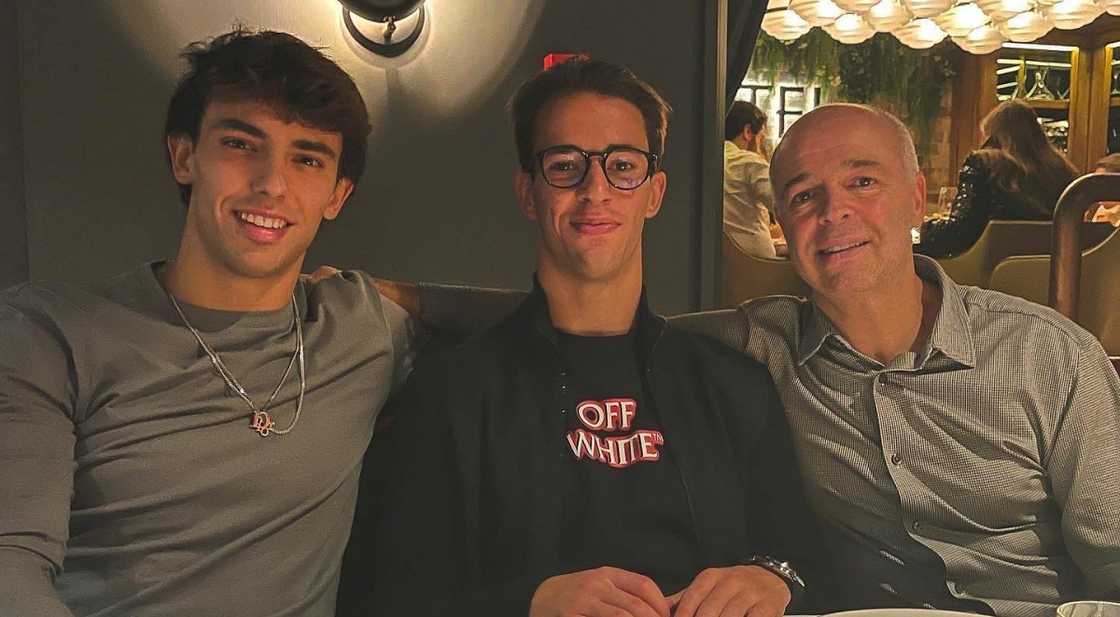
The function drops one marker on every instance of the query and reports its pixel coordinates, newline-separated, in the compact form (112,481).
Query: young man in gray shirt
(187,438)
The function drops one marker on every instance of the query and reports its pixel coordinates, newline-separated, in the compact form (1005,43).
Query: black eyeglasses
(566,166)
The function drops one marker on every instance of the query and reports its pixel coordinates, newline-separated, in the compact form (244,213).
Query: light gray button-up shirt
(997,447)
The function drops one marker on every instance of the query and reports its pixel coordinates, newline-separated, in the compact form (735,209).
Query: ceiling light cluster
(976,26)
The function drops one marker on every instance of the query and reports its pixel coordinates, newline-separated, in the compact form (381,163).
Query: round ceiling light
(850,28)
(888,16)
(920,34)
(817,12)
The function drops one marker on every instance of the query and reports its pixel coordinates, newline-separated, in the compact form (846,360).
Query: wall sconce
(385,27)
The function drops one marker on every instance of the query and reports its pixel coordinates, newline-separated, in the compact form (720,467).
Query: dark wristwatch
(782,570)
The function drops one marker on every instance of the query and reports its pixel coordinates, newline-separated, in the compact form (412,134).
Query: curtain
(744,20)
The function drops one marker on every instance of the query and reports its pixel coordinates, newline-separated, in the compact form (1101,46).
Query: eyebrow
(303,144)
(849,163)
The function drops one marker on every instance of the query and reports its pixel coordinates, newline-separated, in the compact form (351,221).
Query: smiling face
(591,232)
(846,201)
(260,187)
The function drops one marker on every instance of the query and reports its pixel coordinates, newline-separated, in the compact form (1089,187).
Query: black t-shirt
(626,506)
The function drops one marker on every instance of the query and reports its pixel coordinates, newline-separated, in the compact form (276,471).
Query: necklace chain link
(261,420)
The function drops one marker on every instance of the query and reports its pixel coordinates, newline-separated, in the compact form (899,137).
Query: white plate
(900,612)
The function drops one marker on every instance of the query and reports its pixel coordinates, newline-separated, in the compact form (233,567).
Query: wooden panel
(1079,105)
(974,95)
(1099,101)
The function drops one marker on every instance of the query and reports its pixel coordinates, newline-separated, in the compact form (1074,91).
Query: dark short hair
(582,75)
(739,116)
(296,80)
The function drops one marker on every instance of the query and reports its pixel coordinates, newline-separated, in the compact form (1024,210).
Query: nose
(268,176)
(595,185)
(835,207)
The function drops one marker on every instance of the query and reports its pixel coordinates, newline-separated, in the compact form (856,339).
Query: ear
(747,134)
(180,149)
(657,183)
(919,210)
(342,190)
(523,188)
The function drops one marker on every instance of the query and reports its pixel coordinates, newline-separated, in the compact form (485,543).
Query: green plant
(880,70)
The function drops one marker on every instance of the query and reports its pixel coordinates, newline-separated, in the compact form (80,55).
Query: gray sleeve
(408,336)
(1081,469)
(462,310)
(37,401)
(725,325)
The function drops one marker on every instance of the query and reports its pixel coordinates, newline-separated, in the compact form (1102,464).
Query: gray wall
(13,216)
(436,201)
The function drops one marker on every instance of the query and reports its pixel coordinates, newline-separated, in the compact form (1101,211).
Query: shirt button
(896,459)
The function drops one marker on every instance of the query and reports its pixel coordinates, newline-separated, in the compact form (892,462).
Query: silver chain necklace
(261,421)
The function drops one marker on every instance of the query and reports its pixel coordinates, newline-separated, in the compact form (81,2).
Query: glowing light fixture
(961,19)
(928,8)
(386,27)
(1026,26)
(1002,10)
(783,24)
(982,40)
(856,6)
(920,34)
(817,12)
(850,28)
(1073,14)
(888,16)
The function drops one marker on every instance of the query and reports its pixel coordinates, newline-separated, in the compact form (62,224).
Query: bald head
(827,122)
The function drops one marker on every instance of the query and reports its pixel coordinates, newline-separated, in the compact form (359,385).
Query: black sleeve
(969,214)
(455,312)
(783,522)
(415,546)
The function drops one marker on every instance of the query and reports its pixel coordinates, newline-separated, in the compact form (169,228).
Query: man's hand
(736,591)
(406,295)
(602,592)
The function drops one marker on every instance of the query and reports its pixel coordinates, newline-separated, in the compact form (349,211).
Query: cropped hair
(741,114)
(295,80)
(1020,158)
(582,75)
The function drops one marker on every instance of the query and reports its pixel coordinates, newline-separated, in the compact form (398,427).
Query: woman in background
(1017,174)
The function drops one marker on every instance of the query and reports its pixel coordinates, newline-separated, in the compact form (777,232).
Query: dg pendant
(262,423)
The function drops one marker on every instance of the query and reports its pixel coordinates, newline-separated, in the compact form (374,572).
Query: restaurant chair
(746,276)
(1082,285)
(1002,239)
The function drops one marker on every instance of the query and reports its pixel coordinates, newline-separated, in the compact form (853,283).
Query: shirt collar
(951,334)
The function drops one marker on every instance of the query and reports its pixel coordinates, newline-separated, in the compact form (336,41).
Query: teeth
(262,221)
(837,249)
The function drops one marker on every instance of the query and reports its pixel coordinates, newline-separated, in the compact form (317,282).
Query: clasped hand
(735,591)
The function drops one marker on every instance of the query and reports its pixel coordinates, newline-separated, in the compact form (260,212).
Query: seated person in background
(959,444)
(1106,211)
(583,457)
(1016,175)
(747,198)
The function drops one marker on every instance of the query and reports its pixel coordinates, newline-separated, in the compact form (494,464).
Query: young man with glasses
(582,456)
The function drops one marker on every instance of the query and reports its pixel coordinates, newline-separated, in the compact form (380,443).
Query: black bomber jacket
(457,514)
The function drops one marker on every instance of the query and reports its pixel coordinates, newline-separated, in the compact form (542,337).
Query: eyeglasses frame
(651,158)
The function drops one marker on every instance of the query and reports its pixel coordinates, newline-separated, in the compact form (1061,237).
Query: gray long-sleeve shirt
(131,483)
(989,456)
